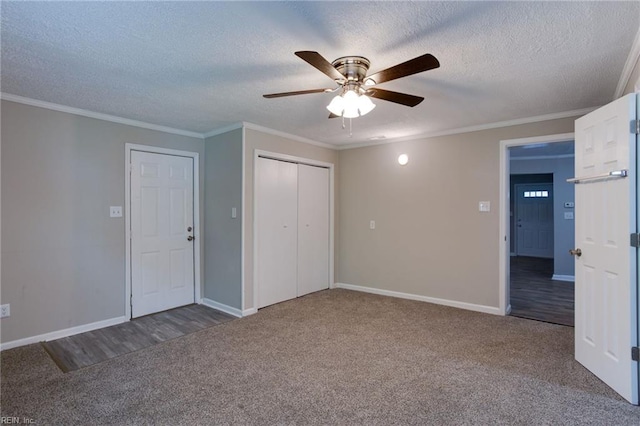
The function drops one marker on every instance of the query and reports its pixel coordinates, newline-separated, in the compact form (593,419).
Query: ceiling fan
(355,87)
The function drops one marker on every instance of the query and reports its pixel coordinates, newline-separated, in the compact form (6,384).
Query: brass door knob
(575,252)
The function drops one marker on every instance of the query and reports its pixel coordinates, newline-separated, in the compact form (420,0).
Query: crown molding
(225,129)
(256,127)
(632,60)
(488,126)
(287,135)
(97,115)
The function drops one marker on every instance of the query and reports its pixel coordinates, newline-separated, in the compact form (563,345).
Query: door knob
(191,238)
(189,229)
(575,252)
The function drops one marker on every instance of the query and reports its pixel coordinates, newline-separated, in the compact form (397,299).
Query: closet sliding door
(277,230)
(313,229)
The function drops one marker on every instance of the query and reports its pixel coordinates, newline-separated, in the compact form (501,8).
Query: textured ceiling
(200,66)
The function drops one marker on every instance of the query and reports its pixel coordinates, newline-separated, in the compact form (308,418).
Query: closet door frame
(300,160)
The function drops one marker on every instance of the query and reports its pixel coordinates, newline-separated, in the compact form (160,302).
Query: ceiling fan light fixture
(336,106)
(351,112)
(350,104)
(365,105)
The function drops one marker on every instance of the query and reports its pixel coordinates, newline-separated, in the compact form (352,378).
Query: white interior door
(162,255)
(277,230)
(534,220)
(313,229)
(606,281)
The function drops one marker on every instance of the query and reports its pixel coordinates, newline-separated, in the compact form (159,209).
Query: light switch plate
(5,311)
(569,204)
(234,213)
(372,224)
(115,211)
(568,215)
(484,206)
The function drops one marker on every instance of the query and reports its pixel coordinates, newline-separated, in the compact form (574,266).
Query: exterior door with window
(534,220)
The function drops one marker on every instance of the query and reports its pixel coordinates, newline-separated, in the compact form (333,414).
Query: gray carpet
(334,357)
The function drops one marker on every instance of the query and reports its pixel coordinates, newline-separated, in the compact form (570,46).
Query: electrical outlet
(5,311)
(115,211)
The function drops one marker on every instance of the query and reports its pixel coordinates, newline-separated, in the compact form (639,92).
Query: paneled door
(277,230)
(162,243)
(313,229)
(606,265)
(534,220)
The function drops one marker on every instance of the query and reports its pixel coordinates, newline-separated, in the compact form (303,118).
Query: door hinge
(635,127)
(634,240)
(635,354)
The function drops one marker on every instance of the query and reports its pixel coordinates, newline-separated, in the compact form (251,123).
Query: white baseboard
(222,307)
(249,311)
(557,277)
(62,333)
(445,302)
(508,312)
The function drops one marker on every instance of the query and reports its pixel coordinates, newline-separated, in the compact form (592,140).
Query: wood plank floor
(85,349)
(534,295)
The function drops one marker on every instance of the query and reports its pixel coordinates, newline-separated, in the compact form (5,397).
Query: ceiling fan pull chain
(343,125)
(350,129)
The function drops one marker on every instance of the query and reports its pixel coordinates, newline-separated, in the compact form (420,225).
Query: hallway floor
(534,295)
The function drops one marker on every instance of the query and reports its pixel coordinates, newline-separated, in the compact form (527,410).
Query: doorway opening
(534,293)
(537,207)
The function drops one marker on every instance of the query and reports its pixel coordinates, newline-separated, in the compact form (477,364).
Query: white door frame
(284,157)
(504,252)
(127,209)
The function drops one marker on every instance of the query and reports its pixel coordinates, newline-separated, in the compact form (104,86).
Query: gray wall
(263,141)
(430,238)
(563,229)
(223,234)
(63,258)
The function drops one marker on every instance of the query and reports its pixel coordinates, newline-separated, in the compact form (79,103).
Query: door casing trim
(504,231)
(129,147)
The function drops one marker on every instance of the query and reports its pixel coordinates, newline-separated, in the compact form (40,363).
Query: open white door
(606,271)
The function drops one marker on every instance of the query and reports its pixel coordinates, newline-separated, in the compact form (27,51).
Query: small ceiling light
(403,159)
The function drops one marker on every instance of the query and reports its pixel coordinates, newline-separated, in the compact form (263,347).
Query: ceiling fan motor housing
(354,68)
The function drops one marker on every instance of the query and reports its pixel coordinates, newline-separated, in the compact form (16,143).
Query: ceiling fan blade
(397,97)
(332,115)
(422,63)
(315,59)
(299,92)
